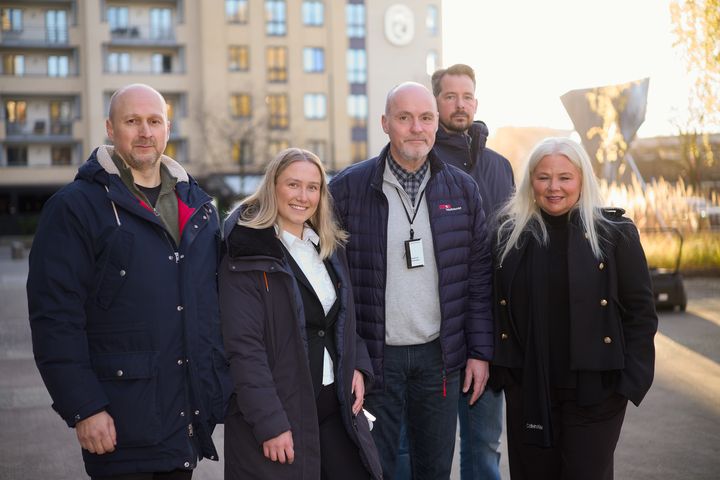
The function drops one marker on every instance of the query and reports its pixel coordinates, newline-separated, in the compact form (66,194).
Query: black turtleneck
(558,313)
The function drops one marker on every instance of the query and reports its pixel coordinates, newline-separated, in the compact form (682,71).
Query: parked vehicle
(667,283)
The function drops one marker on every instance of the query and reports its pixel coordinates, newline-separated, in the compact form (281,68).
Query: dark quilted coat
(461,254)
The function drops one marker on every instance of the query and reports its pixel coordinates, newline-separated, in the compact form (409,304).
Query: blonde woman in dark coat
(574,319)
(299,368)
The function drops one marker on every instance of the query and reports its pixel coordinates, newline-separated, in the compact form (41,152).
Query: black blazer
(320,328)
(612,311)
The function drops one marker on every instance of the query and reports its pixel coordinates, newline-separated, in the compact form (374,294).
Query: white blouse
(308,259)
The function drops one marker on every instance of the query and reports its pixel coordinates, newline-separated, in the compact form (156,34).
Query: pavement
(674,434)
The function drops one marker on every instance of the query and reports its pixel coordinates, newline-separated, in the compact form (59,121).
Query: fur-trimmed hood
(101,161)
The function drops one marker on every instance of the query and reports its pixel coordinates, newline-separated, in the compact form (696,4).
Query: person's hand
(477,372)
(358,388)
(96,433)
(280,448)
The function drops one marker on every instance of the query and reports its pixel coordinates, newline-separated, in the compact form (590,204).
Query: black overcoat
(612,313)
(264,333)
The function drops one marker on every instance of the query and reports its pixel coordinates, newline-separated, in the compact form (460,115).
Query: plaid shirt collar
(410,181)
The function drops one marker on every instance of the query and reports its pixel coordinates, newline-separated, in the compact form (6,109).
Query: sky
(527,53)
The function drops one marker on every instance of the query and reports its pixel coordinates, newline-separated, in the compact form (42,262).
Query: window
(431,20)
(276,64)
(236,11)
(56,26)
(170,102)
(238,58)
(240,105)
(171,150)
(161,63)
(356,65)
(61,155)
(277,146)
(279,116)
(357,110)
(12,20)
(16,112)
(355,17)
(431,62)
(313,60)
(118,18)
(60,117)
(358,151)
(160,23)
(275,16)
(14,65)
(242,152)
(313,13)
(58,66)
(315,106)
(16,156)
(118,62)
(319,148)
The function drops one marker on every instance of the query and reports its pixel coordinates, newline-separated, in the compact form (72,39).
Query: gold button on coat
(607,340)
(504,336)
(601,266)
(603,302)
(503,302)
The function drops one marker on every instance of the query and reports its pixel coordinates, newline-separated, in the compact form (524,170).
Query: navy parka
(124,320)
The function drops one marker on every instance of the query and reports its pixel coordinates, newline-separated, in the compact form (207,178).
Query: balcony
(140,35)
(36,37)
(40,131)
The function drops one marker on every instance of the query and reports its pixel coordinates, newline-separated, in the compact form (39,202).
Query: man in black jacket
(461,142)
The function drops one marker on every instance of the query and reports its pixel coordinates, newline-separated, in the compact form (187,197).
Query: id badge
(414,253)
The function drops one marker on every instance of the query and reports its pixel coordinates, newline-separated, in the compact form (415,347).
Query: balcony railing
(142,34)
(39,129)
(35,36)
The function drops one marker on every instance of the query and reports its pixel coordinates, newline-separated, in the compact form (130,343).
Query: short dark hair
(457,69)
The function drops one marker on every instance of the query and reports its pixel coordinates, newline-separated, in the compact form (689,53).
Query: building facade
(243,80)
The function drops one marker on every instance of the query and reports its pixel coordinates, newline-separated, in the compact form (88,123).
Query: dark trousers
(414,378)
(174,475)
(584,438)
(339,456)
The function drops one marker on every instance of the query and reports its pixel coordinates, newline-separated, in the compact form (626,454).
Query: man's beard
(453,127)
(141,165)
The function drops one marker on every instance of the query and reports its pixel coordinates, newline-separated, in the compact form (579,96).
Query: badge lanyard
(413,248)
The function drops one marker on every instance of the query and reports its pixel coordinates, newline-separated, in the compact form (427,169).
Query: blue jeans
(480,430)
(403,471)
(414,378)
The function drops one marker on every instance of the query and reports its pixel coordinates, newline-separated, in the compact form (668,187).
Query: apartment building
(243,79)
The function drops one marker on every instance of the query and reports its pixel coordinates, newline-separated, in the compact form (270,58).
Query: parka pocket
(129,380)
(115,269)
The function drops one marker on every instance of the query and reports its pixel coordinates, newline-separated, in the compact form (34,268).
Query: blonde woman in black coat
(574,319)
(288,322)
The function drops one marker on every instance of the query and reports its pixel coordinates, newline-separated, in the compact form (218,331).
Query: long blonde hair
(260,210)
(521,213)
